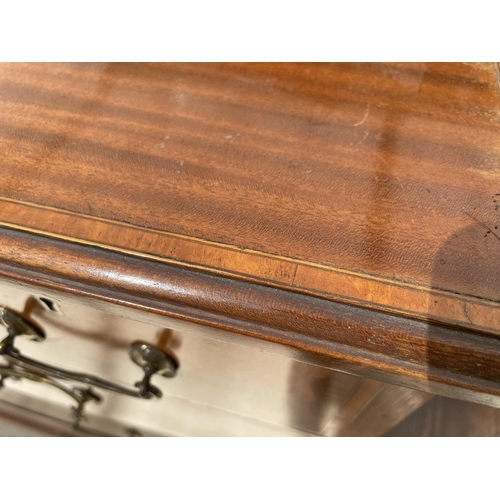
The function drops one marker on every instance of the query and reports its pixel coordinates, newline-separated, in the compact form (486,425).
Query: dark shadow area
(469,258)
(445,417)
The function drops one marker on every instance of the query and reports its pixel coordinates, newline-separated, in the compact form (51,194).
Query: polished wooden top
(371,184)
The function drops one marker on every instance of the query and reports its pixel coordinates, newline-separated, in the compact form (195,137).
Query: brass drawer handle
(81,396)
(151,359)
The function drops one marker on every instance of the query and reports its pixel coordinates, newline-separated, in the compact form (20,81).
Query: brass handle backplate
(151,359)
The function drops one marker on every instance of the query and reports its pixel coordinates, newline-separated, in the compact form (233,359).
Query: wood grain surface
(371,184)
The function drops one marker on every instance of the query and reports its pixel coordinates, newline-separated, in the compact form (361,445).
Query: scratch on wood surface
(367,112)
(482,224)
(467,312)
(294,274)
(362,140)
(382,159)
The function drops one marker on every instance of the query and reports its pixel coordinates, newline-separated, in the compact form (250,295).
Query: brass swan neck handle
(151,359)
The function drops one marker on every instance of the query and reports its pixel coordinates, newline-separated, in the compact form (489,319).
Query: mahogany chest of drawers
(247,249)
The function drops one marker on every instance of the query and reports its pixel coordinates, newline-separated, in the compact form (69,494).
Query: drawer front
(221,387)
(214,377)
